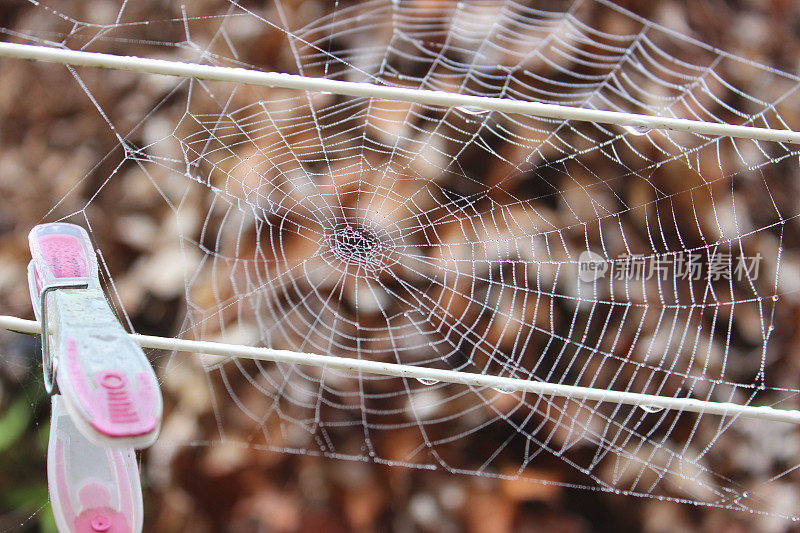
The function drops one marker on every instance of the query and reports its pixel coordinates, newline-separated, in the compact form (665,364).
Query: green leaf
(14,422)
(28,496)
(47,523)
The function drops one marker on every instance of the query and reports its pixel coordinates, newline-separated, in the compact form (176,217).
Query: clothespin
(106,382)
(92,489)
(109,401)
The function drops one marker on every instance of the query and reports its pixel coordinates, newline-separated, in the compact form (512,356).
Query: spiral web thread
(453,238)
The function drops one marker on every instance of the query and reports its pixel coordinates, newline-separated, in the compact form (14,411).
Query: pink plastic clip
(105,379)
(92,489)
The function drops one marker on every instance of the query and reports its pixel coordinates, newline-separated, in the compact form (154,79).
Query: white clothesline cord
(435,375)
(420,96)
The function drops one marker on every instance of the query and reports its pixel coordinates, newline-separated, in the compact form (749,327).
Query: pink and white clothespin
(106,381)
(92,489)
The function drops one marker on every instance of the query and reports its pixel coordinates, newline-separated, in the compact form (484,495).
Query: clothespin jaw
(92,489)
(105,379)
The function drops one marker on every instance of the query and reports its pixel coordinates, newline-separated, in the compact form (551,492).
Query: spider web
(458,239)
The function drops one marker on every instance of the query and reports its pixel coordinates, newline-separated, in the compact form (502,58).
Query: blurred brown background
(51,133)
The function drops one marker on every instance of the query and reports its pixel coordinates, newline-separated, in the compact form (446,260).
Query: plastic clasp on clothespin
(106,381)
(92,489)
